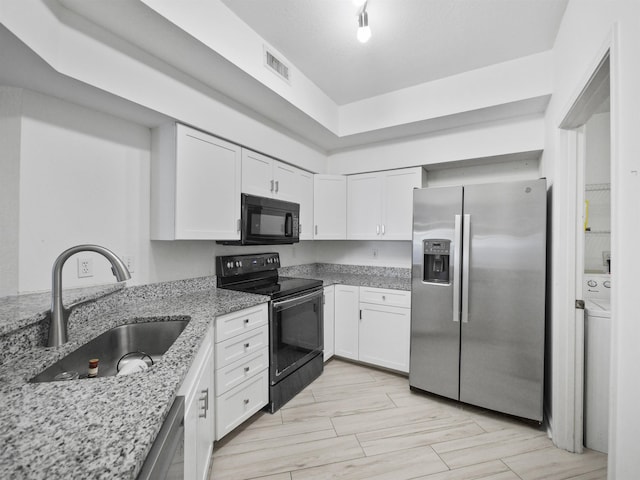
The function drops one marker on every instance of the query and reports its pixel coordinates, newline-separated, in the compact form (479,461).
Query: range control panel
(232,265)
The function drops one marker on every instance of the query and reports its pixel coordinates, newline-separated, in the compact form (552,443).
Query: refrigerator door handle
(457,242)
(466,236)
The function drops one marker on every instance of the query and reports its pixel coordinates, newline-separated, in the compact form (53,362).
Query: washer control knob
(607,284)
(592,283)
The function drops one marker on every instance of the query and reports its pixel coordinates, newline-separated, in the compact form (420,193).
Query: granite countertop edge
(104,427)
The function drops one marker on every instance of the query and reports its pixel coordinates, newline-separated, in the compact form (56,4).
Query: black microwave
(267,221)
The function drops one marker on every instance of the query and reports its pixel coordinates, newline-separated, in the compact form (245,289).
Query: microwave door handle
(288,225)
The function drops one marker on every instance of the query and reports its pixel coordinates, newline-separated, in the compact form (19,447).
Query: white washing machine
(597,295)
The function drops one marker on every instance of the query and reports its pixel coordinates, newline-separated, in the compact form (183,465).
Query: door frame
(568,346)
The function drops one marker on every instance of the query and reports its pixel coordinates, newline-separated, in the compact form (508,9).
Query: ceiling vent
(276,65)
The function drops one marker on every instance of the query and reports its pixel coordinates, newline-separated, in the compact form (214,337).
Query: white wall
(354,252)
(500,171)
(597,174)
(598,149)
(587,27)
(10,109)
(500,84)
(84,178)
(520,134)
(93,56)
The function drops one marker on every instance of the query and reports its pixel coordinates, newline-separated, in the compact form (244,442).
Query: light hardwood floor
(356,422)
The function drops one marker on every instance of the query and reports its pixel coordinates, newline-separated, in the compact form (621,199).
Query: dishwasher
(166,457)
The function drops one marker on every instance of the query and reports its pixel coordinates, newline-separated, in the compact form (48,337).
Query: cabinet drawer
(384,296)
(237,372)
(239,403)
(235,323)
(238,347)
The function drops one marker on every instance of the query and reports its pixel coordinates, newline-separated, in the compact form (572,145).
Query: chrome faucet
(60,314)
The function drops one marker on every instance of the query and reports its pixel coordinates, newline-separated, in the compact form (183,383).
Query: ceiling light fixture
(364,31)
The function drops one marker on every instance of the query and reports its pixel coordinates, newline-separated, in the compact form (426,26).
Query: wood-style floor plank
(554,464)
(357,422)
(402,465)
(270,461)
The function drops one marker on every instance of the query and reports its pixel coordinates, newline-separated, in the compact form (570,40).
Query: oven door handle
(279,304)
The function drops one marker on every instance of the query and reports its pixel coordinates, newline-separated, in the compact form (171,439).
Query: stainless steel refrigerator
(478,295)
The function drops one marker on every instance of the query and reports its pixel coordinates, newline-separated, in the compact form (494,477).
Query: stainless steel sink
(148,340)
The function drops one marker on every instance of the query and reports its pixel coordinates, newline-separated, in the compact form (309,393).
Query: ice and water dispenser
(435,267)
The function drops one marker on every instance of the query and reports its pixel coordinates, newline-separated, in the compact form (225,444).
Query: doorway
(588,125)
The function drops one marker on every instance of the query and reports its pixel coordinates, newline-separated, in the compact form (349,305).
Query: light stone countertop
(356,275)
(104,427)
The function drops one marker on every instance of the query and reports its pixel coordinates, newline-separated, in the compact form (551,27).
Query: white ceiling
(412,42)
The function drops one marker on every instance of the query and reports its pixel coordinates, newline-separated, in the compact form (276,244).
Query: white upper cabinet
(364,206)
(257,174)
(195,185)
(330,207)
(380,204)
(304,185)
(267,177)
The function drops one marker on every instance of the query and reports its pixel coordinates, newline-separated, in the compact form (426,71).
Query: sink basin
(136,339)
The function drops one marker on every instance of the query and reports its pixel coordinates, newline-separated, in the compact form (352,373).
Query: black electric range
(258,273)
(296,320)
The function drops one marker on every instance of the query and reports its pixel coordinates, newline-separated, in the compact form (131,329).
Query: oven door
(268,221)
(296,331)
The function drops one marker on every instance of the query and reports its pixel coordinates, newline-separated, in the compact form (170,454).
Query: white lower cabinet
(198,391)
(238,404)
(384,336)
(347,305)
(372,325)
(242,366)
(329,321)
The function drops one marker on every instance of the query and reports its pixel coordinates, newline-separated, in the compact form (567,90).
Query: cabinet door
(329,322)
(397,204)
(330,207)
(206,425)
(199,422)
(257,174)
(285,182)
(384,336)
(346,321)
(207,187)
(364,206)
(304,184)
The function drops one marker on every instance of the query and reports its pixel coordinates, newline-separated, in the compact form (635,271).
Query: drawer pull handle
(246,345)
(246,401)
(204,398)
(384,298)
(246,321)
(246,369)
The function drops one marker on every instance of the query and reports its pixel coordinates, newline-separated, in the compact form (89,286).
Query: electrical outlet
(606,258)
(85,267)
(130,262)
